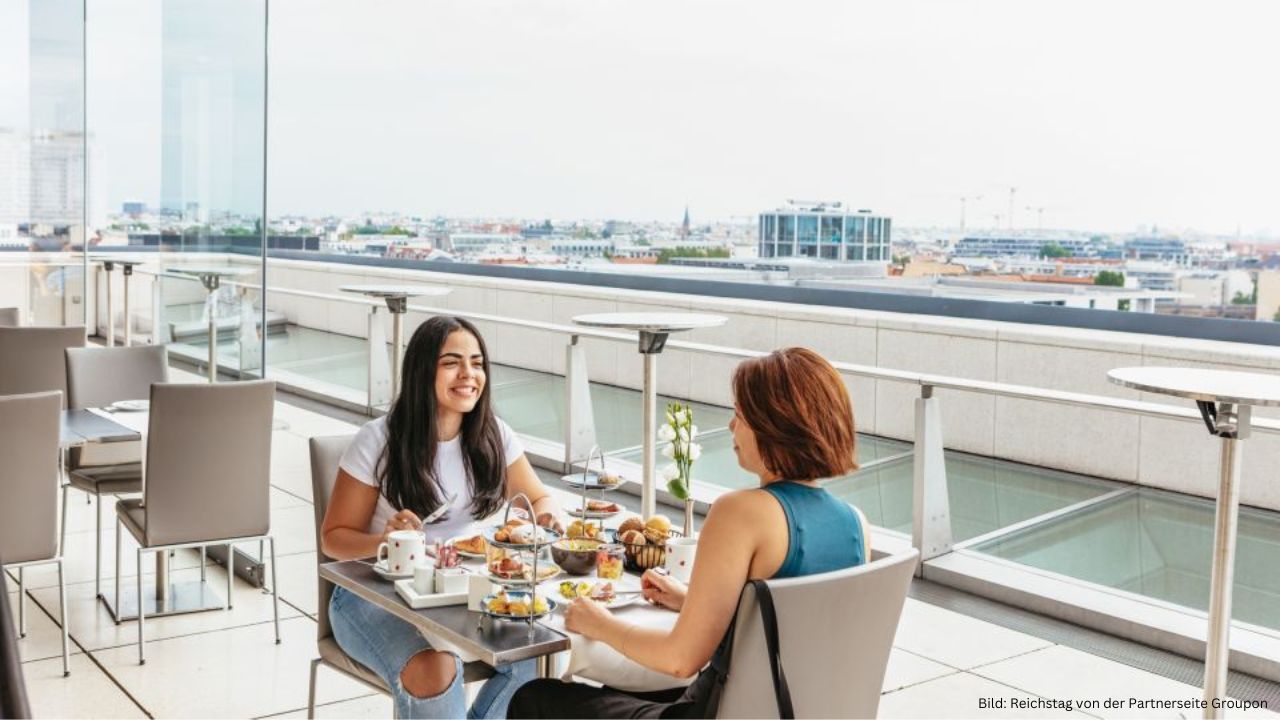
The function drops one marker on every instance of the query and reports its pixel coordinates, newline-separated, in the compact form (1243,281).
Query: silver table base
(184,597)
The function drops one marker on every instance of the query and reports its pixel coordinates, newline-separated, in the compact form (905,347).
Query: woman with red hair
(792,427)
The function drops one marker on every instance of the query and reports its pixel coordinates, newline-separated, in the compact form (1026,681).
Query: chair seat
(332,654)
(108,480)
(133,517)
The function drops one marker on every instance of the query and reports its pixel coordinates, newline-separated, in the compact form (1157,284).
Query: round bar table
(211,278)
(1226,400)
(397,297)
(126,266)
(653,329)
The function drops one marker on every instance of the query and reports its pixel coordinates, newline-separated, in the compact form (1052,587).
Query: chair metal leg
(117,603)
(231,571)
(275,590)
(22,603)
(142,659)
(62,530)
(97,546)
(204,561)
(62,620)
(311,696)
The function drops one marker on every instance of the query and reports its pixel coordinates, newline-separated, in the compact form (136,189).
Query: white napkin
(595,660)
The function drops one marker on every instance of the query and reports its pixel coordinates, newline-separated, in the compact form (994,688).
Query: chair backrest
(97,377)
(10,317)
(835,631)
(325,454)
(29,427)
(208,466)
(32,359)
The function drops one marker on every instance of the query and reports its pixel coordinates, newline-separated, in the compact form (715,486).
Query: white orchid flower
(684,434)
(666,433)
(695,451)
(670,472)
(671,419)
(669,451)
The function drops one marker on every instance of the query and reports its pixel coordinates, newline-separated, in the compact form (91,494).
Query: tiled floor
(226,664)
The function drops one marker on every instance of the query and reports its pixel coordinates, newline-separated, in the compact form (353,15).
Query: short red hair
(800,412)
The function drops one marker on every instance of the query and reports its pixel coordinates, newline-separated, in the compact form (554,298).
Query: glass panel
(831,252)
(42,158)
(831,228)
(854,252)
(1156,544)
(807,232)
(212,112)
(786,229)
(853,228)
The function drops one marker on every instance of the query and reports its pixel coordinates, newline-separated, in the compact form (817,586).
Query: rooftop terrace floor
(224,664)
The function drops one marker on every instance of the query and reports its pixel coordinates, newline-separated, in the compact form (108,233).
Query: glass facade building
(824,231)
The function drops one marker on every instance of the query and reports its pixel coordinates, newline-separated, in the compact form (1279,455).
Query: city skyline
(1094,112)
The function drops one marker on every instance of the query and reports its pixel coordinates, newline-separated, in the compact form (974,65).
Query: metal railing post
(379,364)
(580,426)
(931,507)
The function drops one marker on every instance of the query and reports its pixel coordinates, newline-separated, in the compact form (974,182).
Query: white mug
(403,550)
(423,575)
(679,562)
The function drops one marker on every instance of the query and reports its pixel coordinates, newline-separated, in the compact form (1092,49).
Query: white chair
(29,429)
(835,632)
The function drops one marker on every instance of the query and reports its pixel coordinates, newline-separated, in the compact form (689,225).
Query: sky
(1108,115)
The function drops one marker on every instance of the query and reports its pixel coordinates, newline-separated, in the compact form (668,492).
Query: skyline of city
(678,105)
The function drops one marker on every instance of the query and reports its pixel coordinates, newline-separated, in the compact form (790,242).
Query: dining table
(496,641)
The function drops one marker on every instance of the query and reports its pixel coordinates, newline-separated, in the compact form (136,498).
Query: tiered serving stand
(534,548)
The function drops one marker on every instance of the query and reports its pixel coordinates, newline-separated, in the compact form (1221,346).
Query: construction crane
(1039,211)
(964,199)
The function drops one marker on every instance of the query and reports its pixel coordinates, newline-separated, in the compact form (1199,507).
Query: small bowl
(576,557)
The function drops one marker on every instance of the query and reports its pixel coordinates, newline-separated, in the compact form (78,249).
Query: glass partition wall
(43,181)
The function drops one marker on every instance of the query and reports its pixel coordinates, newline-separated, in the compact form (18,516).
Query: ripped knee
(428,673)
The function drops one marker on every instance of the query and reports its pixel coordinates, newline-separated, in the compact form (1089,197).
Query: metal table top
(658,322)
(225,271)
(394,291)
(79,427)
(1229,386)
(492,641)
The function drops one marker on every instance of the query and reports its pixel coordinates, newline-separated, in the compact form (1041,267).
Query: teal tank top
(824,531)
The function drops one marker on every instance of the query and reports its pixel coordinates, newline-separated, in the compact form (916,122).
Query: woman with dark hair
(792,426)
(440,446)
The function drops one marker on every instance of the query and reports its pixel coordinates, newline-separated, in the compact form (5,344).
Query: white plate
(551,607)
(131,405)
(417,602)
(381,569)
(592,514)
(627,595)
(519,581)
(464,553)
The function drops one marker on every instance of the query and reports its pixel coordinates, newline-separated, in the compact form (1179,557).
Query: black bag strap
(770,618)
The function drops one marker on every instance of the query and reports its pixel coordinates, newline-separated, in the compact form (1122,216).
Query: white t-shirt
(361,461)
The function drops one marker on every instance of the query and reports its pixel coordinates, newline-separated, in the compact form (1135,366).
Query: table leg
(162,580)
(128,326)
(397,338)
(111,324)
(1218,646)
(648,493)
(213,342)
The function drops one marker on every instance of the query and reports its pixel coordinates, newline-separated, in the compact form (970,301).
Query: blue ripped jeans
(384,643)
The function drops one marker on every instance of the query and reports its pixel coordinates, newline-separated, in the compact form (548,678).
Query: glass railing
(1155,544)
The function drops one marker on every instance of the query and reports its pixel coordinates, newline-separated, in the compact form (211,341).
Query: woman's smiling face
(460,376)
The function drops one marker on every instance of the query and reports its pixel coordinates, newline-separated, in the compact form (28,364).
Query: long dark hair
(407,466)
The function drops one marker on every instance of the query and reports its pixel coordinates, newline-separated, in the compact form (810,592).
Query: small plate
(381,569)
(548,536)
(624,597)
(591,481)
(592,514)
(551,606)
(542,567)
(130,405)
(464,553)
